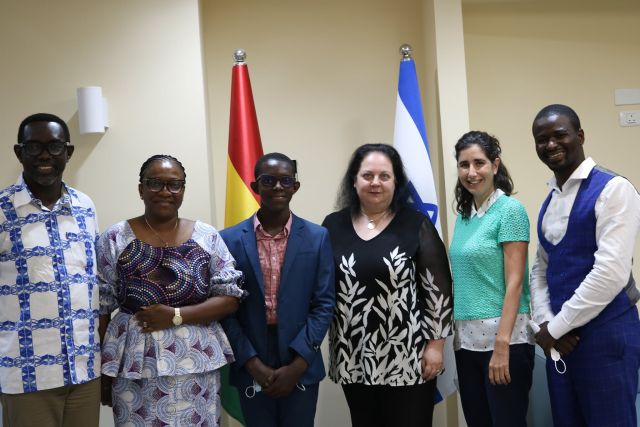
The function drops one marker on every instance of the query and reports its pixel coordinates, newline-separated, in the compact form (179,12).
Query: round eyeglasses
(35,148)
(271,180)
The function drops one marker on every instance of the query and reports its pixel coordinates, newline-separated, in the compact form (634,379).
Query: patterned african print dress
(166,377)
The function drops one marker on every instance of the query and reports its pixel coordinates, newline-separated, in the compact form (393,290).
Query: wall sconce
(92,110)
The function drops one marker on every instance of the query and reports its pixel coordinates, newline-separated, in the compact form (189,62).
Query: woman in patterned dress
(172,279)
(493,341)
(393,295)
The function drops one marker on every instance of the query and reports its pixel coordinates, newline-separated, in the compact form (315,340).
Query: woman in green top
(493,342)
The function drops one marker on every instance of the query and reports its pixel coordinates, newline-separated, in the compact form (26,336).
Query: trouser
(389,406)
(488,405)
(68,406)
(298,409)
(600,385)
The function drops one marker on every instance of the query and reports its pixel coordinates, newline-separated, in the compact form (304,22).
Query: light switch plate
(630,118)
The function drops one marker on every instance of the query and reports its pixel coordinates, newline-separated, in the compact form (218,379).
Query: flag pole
(239,56)
(405,51)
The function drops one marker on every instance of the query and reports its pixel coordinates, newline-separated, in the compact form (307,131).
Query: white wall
(324,81)
(523,55)
(146,56)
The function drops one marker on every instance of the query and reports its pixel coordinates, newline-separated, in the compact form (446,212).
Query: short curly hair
(43,117)
(561,110)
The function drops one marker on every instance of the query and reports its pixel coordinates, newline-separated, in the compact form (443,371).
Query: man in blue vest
(583,291)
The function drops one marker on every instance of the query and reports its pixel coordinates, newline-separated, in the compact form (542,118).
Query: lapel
(293,247)
(251,249)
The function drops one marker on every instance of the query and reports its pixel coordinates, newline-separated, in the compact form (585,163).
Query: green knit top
(477,259)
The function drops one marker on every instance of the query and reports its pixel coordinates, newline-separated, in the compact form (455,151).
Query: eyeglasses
(35,148)
(156,185)
(271,181)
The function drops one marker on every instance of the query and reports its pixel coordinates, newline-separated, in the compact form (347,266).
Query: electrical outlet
(630,118)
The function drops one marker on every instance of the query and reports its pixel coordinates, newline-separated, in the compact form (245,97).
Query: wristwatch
(177,319)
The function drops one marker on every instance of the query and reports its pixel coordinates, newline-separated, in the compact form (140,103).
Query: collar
(23,196)
(486,204)
(581,172)
(258,226)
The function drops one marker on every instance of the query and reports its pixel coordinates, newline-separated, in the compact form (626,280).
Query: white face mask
(561,367)
(251,391)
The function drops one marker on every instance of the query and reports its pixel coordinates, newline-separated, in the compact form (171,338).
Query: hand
(105,390)
(155,317)
(260,372)
(285,378)
(567,343)
(544,339)
(499,365)
(431,362)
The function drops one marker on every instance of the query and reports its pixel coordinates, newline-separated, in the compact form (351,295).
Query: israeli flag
(410,139)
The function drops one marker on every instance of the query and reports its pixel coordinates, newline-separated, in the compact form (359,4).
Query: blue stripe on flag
(409,93)
(438,397)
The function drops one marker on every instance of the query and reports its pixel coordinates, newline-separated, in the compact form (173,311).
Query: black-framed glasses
(271,181)
(174,186)
(35,148)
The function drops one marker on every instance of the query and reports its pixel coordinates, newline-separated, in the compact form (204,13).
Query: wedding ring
(440,372)
(144,324)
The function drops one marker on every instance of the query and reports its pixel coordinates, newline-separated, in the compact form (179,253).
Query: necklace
(166,244)
(371,223)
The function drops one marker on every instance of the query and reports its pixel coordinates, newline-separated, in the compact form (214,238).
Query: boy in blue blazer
(277,332)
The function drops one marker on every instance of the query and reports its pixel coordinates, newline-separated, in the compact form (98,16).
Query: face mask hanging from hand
(559,364)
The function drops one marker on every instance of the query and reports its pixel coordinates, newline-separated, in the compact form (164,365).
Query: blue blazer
(306,298)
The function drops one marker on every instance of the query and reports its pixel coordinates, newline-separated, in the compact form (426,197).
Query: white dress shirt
(617,212)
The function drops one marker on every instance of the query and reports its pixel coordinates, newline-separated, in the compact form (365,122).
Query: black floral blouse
(393,293)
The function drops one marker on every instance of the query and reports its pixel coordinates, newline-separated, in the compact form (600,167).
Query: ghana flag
(245,148)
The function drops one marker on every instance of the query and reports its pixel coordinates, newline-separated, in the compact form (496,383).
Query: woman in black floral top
(393,292)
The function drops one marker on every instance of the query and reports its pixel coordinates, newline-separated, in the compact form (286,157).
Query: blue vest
(573,257)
